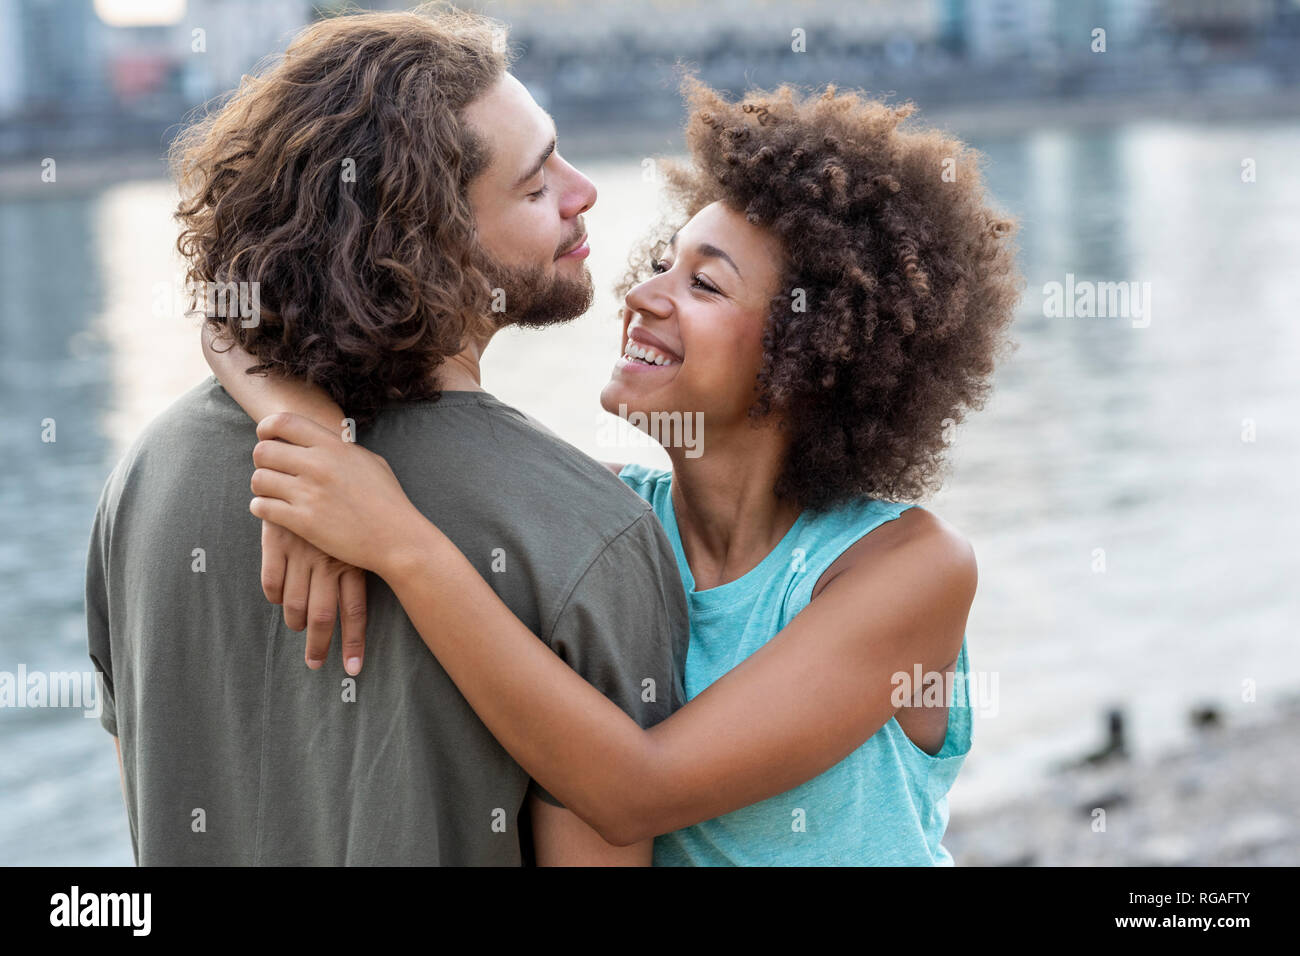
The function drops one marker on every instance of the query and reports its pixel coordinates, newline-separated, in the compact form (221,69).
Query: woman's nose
(650,299)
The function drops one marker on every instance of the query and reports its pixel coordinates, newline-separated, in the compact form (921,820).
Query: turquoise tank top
(885,804)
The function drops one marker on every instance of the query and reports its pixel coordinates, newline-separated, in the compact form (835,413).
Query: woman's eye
(704,283)
(658,267)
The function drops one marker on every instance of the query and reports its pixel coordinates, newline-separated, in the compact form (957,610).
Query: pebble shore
(1231,800)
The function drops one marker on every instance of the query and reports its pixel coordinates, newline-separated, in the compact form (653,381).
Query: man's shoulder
(499,486)
(195,417)
(496,449)
(201,425)
(183,450)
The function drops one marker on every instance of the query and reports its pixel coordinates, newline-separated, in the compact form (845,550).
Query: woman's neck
(728,516)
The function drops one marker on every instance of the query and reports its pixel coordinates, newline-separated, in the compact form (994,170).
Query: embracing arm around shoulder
(262,395)
(561,838)
(796,707)
(313,588)
(793,709)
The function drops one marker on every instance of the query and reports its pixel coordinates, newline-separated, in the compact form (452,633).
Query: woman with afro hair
(828,300)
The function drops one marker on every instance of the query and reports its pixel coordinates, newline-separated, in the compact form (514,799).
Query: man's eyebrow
(541,160)
(708,252)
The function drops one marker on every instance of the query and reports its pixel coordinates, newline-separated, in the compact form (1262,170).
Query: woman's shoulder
(925,570)
(643,479)
(911,537)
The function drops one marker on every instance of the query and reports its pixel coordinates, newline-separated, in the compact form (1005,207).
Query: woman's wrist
(420,554)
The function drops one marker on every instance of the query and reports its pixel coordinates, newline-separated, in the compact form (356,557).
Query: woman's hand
(342,498)
(311,585)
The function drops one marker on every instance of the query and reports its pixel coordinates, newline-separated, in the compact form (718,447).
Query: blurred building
(686,27)
(105,75)
(1001,30)
(1225,17)
(237,35)
(51,72)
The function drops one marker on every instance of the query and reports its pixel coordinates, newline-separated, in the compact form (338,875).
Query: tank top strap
(827,535)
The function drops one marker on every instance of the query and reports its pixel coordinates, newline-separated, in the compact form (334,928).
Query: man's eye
(540,193)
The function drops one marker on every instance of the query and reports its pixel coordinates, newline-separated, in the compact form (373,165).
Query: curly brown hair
(336,180)
(898,287)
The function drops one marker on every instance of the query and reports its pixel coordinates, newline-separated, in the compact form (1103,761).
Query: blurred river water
(1129,490)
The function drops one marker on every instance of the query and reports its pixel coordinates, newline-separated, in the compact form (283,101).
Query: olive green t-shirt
(234,752)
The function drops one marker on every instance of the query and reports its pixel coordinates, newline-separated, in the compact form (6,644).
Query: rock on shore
(1231,800)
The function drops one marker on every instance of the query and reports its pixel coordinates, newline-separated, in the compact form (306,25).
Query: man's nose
(579,196)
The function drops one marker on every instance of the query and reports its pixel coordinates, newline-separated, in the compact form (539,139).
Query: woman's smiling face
(693,332)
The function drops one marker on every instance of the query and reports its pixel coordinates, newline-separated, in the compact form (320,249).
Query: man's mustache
(568,243)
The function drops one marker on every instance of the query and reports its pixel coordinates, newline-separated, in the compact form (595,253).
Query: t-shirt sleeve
(97,619)
(625,627)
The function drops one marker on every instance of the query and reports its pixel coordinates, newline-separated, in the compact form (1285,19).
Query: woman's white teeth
(647,355)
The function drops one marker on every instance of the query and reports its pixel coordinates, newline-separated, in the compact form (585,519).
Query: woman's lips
(626,362)
(639,336)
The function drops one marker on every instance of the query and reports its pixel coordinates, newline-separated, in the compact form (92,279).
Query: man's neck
(461,372)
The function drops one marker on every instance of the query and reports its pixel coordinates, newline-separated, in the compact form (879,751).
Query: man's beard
(534,301)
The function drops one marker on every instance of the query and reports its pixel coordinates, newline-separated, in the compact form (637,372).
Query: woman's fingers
(352,609)
(297,587)
(322,611)
(297,429)
(314,589)
(272,484)
(281,456)
(273,564)
(276,511)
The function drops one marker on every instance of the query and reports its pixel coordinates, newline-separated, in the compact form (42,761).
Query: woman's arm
(311,586)
(561,838)
(261,395)
(790,711)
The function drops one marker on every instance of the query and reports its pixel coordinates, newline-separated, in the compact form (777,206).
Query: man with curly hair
(394,196)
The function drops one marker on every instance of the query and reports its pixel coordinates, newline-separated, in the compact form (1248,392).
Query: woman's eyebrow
(708,252)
